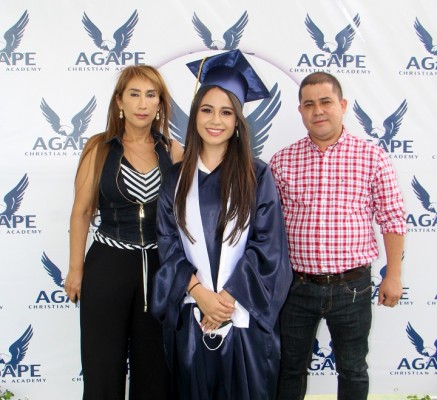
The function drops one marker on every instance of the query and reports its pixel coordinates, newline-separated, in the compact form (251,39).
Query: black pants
(115,326)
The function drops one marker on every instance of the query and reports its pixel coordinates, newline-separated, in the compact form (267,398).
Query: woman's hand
(73,283)
(215,307)
(227,296)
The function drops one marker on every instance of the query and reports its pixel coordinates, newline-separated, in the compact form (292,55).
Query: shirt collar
(157,137)
(343,137)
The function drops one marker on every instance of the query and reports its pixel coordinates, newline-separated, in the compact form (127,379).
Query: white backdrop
(52,72)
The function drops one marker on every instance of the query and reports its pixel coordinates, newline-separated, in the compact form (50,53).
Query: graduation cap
(230,71)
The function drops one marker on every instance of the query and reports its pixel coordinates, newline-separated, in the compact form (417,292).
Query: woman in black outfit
(119,175)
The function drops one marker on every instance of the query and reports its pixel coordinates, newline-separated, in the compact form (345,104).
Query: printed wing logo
(259,121)
(425,38)
(13,35)
(391,123)
(52,270)
(343,38)
(122,36)
(178,122)
(318,351)
(417,342)
(231,37)
(14,197)
(18,349)
(79,122)
(423,196)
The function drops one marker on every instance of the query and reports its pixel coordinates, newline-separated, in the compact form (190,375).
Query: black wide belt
(326,279)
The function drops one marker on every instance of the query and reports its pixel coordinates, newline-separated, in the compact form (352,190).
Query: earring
(121,115)
(157,116)
(237,133)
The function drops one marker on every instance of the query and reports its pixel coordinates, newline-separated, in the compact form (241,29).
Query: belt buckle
(327,278)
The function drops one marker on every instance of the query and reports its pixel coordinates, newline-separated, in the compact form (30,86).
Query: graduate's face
(216,119)
(322,113)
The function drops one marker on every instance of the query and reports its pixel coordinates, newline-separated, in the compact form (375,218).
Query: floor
(371,397)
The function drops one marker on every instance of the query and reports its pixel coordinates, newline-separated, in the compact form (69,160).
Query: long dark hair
(115,125)
(238,181)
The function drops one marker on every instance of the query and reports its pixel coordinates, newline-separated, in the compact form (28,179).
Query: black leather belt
(326,279)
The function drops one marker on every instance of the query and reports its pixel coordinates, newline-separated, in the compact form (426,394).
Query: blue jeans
(346,306)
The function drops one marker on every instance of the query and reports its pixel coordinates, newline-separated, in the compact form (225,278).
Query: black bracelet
(192,287)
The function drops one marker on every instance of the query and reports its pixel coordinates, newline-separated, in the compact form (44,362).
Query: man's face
(322,113)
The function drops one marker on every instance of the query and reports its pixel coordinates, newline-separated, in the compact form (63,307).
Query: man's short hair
(321,77)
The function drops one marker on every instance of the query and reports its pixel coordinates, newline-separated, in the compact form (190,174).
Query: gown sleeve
(171,280)
(262,277)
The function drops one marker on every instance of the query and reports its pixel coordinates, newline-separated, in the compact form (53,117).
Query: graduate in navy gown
(225,271)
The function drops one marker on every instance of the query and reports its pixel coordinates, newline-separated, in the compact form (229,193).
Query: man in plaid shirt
(332,185)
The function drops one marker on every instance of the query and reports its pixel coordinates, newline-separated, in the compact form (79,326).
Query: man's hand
(390,291)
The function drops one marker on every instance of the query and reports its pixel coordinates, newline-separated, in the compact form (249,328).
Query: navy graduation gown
(246,365)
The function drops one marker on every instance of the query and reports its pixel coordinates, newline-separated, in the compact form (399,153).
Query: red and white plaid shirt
(329,200)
